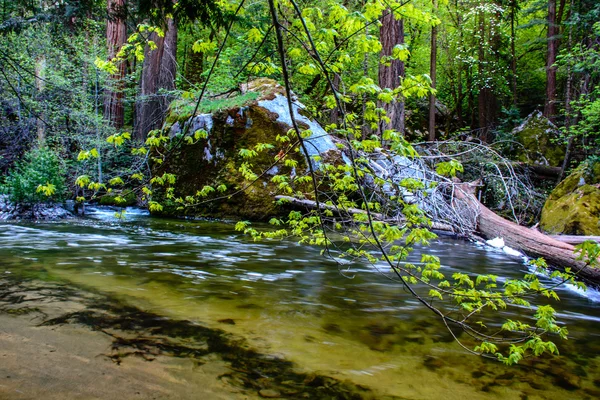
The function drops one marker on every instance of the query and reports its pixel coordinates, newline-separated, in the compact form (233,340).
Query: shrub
(37,178)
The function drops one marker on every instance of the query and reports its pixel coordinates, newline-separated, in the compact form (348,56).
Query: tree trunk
(391,34)
(486,100)
(432,74)
(513,52)
(40,85)
(552,50)
(158,72)
(568,108)
(116,37)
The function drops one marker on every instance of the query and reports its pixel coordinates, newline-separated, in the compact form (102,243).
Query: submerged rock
(269,393)
(534,139)
(573,207)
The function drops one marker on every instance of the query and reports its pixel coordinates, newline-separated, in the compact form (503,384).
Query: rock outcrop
(573,207)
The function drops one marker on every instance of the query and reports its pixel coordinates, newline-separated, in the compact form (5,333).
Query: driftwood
(312,205)
(533,243)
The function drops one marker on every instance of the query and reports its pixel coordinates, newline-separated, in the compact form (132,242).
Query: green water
(286,303)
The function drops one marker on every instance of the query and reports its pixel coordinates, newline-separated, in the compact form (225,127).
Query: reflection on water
(286,301)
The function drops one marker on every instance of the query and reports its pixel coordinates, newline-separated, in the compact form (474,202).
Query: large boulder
(258,115)
(573,208)
(535,141)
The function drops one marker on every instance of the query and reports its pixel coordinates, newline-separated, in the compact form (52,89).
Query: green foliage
(39,177)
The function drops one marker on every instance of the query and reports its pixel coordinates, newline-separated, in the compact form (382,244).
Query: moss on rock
(535,138)
(573,207)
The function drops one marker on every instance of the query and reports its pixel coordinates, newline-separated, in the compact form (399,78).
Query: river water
(276,318)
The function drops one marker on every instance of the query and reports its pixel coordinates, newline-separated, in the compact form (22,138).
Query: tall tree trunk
(158,72)
(391,34)
(483,89)
(552,51)
(432,74)
(486,101)
(513,52)
(40,85)
(116,37)
(568,110)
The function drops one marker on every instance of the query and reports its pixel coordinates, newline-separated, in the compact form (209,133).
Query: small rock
(227,321)
(269,393)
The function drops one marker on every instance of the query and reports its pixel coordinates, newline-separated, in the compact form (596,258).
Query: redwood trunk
(116,37)
(391,34)
(159,70)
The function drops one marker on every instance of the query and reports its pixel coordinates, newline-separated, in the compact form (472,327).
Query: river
(156,308)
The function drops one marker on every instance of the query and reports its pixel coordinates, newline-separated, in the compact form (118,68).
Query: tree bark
(116,37)
(552,51)
(391,34)
(486,100)
(40,85)
(158,72)
(432,74)
(513,52)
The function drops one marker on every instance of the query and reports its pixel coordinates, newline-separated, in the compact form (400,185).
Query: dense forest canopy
(88,89)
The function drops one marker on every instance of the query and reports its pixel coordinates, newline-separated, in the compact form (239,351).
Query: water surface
(287,304)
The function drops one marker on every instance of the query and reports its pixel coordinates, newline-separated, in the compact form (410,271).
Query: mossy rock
(124,198)
(535,139)
(259,115)
(573,207)
(216,160)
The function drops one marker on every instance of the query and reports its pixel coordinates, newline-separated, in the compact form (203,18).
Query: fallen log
(539,171)
(312,205)
(533,243)
(575,239)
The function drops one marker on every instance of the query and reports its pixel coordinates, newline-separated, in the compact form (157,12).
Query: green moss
(573,208)
(181,110)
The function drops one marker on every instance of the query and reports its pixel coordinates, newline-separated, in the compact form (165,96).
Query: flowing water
(210,310)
